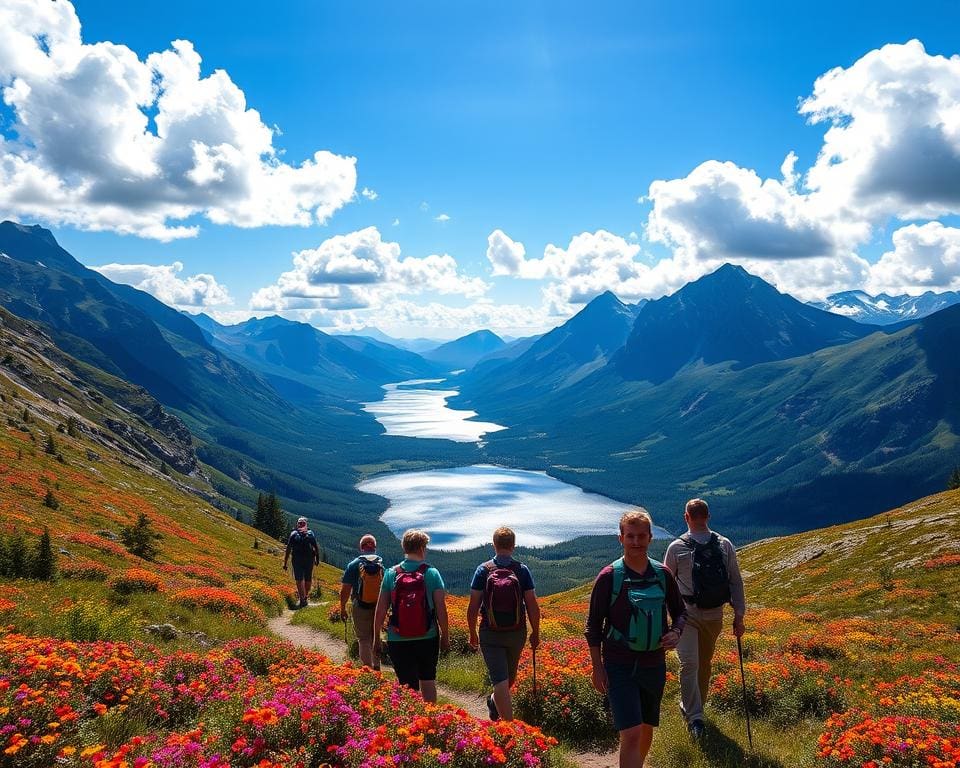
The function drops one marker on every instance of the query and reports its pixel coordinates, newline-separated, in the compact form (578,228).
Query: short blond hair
(698,508)
(634,516)
(368,541)
(414,540)
(504,538)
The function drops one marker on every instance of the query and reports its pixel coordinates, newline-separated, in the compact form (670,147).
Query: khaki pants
(363,626)
(695,651)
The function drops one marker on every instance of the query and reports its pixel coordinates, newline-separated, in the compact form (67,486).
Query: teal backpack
(648,607)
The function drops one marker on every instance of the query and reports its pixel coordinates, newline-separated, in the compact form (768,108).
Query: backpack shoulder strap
(422,568)
(660,570)
(490,566)
(689,541)
(618,576)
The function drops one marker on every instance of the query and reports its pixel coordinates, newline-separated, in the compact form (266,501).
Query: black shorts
(302,571)
(414,660)
(634,693)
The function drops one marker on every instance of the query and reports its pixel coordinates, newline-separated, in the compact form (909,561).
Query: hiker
(418,630)
(303,546)
(705,564)
(502,595)
(361,582)
(628,636)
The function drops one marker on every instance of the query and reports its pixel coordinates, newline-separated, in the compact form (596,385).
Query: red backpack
(411,615)
(503,597)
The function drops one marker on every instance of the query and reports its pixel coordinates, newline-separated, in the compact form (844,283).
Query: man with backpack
(414,594)
(705,564)
(502,595)
(303,546)
(361,581)
(628,634)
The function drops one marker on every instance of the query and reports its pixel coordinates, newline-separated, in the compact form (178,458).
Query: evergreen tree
(50,500)
(260,519)
(25,416)
(954,482)
(72,426)
(45,561)
(50,446)
(276,520)
(140,539)
(164,469)
(18,558)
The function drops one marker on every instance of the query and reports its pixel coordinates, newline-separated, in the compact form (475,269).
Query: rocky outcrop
(176,455)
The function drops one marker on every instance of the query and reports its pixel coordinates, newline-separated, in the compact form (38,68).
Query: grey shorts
(363,623)
(501,652)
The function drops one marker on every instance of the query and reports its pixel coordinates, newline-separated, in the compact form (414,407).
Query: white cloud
(359,270)
(396,223)
(442,218)
(85,153)
(507,256)
(368,193)
(163,282)
(893,145)
(924,258)
(722,211)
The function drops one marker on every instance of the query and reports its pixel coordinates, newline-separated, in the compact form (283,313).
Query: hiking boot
(697,730)
(303,603)
(492,708)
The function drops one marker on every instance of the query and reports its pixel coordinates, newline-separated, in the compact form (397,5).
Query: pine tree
(45,561)
(140,538)
(276,519)
(50,446)
(50,500)
(25,416)
(260,519)
(17,556)
(954,482)
(164,469)
(72,426)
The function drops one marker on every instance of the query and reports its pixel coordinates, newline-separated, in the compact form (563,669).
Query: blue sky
(543,121)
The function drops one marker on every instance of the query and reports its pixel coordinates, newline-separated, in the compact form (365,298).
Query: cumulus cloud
(163,282)
(370,194)
(360,270)
(442,218)
(722,211)
(893,145)
(924,258)
(82,151)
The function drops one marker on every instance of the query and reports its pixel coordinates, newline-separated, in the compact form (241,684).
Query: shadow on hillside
(720,749)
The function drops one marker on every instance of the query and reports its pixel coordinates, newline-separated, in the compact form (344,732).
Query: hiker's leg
(307,584)
(427,655)
(363,626)
(688,652)
(708,634)
(503,700)
(428,689)
(300,590)
(634,745)
(404,659)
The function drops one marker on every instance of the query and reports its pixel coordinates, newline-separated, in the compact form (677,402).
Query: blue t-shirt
(480,581)
(351,574)
(433,581)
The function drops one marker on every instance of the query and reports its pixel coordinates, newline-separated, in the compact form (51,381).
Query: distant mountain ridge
(555,360)
(884,309)
(728,315)
(465,351)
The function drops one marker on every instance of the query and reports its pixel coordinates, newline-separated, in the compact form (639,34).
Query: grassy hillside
(852,654)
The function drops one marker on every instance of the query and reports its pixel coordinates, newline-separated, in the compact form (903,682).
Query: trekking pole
(743,681)
(536,697)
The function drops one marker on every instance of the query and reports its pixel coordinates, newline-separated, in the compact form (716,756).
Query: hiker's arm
(473,614)
(678,614)
(737,596)
(345,590)
(286,555)
(443,621)
(379,616)
(533,613)
(599,608)
(316,552)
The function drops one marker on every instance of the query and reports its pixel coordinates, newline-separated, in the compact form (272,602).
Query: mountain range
(886,310)
(787,416)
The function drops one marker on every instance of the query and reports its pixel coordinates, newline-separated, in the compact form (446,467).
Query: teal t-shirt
(433,581)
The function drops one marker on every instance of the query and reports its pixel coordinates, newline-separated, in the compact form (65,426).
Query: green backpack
(648,607)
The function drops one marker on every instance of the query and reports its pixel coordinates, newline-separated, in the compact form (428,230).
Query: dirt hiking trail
(474,704)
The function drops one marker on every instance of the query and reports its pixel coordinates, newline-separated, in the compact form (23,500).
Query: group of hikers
(639,609)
